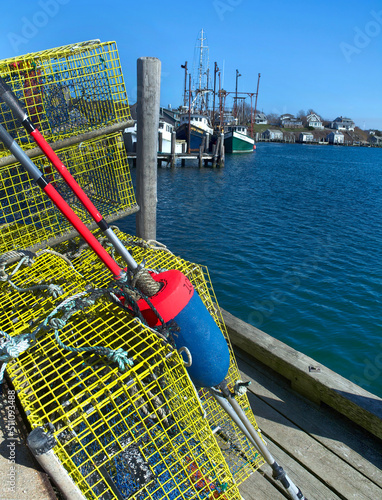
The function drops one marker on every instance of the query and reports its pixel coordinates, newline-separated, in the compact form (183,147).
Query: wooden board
(324,386)
(307,455)
(351,443)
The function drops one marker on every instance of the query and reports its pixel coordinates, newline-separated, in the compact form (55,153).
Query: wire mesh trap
(66,90)
(137,434)
(28,217)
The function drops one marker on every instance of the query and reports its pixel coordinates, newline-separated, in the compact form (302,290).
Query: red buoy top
(172,298)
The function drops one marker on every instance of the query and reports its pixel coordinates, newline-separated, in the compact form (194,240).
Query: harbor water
(292,237)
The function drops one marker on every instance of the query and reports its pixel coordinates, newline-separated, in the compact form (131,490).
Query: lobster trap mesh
(66,90)
(141,434)
(28,217)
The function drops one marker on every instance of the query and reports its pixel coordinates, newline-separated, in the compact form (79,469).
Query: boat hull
(196,136)
(235,142)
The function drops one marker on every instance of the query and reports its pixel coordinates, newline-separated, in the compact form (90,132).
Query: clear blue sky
(325,56)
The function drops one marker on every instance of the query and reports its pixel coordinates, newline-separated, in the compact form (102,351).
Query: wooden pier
(171,160)
(324,430)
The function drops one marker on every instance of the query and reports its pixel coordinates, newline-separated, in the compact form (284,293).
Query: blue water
(292,237)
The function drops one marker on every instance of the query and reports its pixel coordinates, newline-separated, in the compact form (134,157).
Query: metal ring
(188,354)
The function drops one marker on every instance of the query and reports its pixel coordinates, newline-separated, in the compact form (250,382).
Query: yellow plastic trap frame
(28,217)
(66,90)
(104,419)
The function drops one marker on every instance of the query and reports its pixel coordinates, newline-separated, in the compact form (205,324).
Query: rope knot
(57,323)
(120,357)
(241,387)
(12,347)
(55,290)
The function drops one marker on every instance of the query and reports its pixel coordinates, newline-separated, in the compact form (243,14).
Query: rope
(27,258)
(53,289)
(70,306)
(144,282)
(12,347)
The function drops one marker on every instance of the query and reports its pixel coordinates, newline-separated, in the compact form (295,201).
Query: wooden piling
(201,151)
(216,152)
(222,151)
(173,143)
(148,96)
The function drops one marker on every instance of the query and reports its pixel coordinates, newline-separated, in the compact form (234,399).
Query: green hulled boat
(237,140)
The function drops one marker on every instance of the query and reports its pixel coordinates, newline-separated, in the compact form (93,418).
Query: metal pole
(237,76)
(257,93)
(184,66)
(213,107)
(148,81)
(189,118)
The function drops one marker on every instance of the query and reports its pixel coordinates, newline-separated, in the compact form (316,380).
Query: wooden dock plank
(343,479)
(351,443)
(312,487)
(257,487)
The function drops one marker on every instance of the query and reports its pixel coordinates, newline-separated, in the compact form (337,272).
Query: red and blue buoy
(180,305)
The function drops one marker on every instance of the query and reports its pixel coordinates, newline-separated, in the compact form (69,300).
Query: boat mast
(201,73)
(201,64)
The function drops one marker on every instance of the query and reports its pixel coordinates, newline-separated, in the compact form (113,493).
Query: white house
(306,137)
(341,123)
(335,137)
(314,121)
(261,118)
(272,134)
(376,140)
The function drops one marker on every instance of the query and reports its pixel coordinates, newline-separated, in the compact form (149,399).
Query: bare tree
(273,118)
(301,114)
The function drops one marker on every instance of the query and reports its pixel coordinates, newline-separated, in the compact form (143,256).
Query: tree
(301,114)
(273,118)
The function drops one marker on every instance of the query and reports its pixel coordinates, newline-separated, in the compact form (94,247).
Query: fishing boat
(198,126)
(165,131)
(164,138)
(237,140)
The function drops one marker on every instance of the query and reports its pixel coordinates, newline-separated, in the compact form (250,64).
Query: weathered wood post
(201,150)
(148,96)
(222,150)
(216,152)
(173,143)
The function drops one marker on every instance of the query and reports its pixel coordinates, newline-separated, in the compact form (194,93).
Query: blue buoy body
(206,343)
(177,301)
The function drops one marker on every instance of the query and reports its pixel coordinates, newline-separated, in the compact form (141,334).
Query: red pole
(257,93)
(189,116)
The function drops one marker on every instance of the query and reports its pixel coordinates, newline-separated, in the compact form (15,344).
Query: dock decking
(326,455)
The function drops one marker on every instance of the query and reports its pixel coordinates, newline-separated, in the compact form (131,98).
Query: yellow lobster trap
(139,433)
(111,395)
(29,218)
(66,90)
